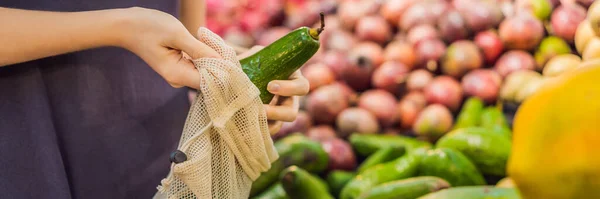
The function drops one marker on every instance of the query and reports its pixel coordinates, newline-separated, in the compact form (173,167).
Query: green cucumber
(381,156)
(475,192)
(492,118)
(401,168)
(450,165)
(410,188)
(300,184)
(470,114)
(501,130)
(367,144)
(274,192)
(337,179)
(282,58)
(295,149)
(488,151)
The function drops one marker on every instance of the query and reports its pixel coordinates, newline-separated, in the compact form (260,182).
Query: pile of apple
(249,22)
(406,66)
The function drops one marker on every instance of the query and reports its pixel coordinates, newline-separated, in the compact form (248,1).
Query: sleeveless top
(93,124)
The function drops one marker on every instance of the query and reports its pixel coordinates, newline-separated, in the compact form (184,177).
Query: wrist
(118,29)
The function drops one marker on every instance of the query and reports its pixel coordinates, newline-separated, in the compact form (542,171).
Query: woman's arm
(156,37)
(28,35)
(192,13)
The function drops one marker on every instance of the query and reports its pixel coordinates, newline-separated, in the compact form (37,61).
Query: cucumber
(300,184)
(474,192)
(492,116)
(337,179)
(367,144)
(381,156)
(280,59)
(450,165)
(401,168)
(488,151)
(470,114)
(295,149)
(410,188)
(274,192)
(501,130)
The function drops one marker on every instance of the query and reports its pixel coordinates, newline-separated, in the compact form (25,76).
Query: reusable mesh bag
(225,138)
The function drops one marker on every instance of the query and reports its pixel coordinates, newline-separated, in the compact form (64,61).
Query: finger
(281,113)
(275,126)
(296,86)
(194,47)
(182,73)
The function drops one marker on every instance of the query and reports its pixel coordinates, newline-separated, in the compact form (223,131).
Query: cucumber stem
(314,33)
(319,30)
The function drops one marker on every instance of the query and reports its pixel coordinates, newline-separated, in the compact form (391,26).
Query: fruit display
(416,98)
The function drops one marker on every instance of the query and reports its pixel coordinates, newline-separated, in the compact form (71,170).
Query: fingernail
(273,87)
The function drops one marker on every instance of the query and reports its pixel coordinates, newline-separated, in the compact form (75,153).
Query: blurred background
(413,72)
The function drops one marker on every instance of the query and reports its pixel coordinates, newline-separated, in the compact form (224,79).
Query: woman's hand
(161,41)
(284,106)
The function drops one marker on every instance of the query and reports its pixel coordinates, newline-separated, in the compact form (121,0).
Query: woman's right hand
(161,41)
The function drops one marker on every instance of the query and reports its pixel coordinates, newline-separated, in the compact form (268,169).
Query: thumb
(194,47)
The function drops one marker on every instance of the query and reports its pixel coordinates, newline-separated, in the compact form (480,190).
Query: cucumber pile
(464,163)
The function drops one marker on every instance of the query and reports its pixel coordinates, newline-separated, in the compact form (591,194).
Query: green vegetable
(338,179)
(410,188)
(492,118)
(488,151)
(300,184)
(470,115)
(295,149)
(474,192)
(367,144)
(281,58)
(451,165)
(501,130)
(381,156)
(274,192)
(401,168)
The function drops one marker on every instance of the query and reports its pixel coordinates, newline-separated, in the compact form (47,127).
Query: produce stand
(410,98)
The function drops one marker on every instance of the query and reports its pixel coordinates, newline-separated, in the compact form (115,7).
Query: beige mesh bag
(225,137)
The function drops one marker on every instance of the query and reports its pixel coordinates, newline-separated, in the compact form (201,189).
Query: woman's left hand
(284,106)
